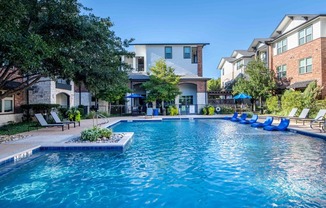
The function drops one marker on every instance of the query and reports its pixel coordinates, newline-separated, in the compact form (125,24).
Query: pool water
(201,163)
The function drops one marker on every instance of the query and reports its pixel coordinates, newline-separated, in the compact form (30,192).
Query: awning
(300,85)
(11,85)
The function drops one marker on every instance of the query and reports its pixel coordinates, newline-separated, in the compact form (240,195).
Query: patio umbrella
(134,96)
(242,96)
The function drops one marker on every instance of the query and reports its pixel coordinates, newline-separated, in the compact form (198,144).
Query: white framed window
(168,52)
(6,104)
(281,46)
(186,52)
(305,65)
(223,71)
(305,35)
(239,65)
(281,71)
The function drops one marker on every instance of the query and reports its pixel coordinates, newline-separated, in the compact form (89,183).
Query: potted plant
(73,114)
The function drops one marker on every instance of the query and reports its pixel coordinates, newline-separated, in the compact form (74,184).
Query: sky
(227,25)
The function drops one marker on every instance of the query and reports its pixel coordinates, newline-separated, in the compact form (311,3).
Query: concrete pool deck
(53,136)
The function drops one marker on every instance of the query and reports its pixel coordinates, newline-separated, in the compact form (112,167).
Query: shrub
(73,114)
(210,110)
(204,111)
(291,99)
(92,134)
(226,110)
(173,110)
(272,104)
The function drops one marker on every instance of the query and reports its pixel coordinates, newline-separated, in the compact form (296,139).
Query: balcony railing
(62,86)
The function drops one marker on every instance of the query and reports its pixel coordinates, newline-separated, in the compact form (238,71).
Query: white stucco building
(185,58)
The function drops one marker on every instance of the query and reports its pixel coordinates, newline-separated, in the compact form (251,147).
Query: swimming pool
(200,163)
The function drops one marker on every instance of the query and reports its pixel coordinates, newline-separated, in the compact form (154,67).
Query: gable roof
(223,60)
(279,30)
(255,43)
(244,53)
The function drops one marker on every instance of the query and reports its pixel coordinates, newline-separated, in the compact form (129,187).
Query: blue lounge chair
(267,122)
(235,115)
(251,121)
(242,117)
(281,127)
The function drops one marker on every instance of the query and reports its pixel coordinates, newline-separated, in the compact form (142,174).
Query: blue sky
(226,24)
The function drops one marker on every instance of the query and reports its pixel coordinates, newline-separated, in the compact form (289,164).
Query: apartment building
(234,66)
(185,58)
(298,50)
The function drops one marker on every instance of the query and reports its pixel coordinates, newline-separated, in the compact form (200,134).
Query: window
(281,71)
(305,65)
(186,100)
(239,65)
(7,104)
(305,35)
(140,63)
(186,52)
(223,71)
(168,52)
(194,56)
(281,46)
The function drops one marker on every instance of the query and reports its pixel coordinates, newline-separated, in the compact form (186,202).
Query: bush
(272,104)
(92,134)
(210,110)
(73,114)
(173,110)
(291,99)
(226,110)
(204,111)
(92,114)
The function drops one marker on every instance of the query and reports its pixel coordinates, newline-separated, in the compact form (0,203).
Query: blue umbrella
(134,96)
(242,96)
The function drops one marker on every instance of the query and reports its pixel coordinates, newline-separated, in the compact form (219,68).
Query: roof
(298,85)
(288,18)
(203,44)
(244,53)
(253,46)
(137,76)
(223,59)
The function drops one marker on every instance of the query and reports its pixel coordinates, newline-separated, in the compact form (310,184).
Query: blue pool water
(201,163)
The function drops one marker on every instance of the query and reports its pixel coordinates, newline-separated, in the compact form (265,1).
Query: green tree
(52,38)
(272,104)
(214,84)
(258,82)
(162,84)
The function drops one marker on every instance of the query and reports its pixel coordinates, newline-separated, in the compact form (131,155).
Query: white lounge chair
(57,120)
(291,114)
(43,122)
(302,115)
(317,120)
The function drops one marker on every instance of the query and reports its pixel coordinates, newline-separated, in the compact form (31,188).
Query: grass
(16,128)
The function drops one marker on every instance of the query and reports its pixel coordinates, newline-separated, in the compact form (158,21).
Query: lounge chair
(268,121)
(317,120)
(251,121)
(235,115)
(291,114)
(302,115)
(242,117)
(43,122)
(57,120)
(149,112)
(283,125)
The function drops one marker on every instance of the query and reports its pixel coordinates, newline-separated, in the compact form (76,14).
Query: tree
(51,38)
(214,84)
(162,84)
(258,83)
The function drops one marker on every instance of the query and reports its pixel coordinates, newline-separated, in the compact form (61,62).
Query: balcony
(62,86)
